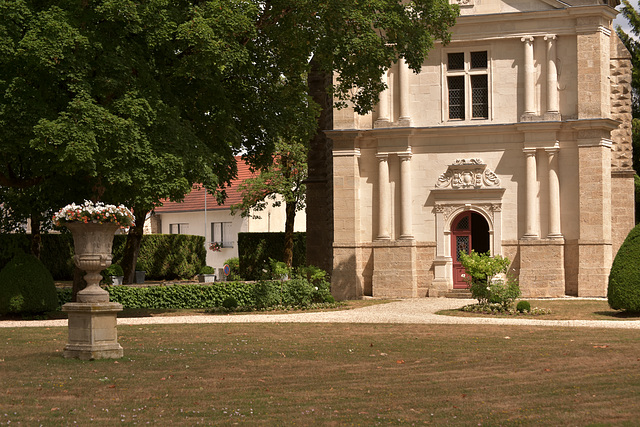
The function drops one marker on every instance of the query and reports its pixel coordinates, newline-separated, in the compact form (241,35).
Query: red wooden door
(460,241)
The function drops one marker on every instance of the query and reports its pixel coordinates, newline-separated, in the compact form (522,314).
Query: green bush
(482,270)
(230,303)
(255,250)
(624,279)
(234,269)
(26,287)
(523,306)
(267,294)
(112,270)
(207,270)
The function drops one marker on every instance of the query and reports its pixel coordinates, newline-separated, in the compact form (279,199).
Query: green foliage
(26,287)
(256,249)
(65,295)
(482,269)
(166,256)
(624,279)
(277,270)
(112,270)
(230,303)
(234,269)
(523,306)
(207,270)
(181,296)
(267,294)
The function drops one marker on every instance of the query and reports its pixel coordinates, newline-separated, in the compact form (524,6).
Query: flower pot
(139,277)
(92,244)
(206,278)
(116,280)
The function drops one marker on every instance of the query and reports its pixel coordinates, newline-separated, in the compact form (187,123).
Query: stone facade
(521,125)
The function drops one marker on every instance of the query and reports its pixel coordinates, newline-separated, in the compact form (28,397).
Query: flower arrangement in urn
(94,213)
(93,226)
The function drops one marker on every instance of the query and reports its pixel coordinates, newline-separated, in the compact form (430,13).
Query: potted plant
(140,274)
(93,226)
(207,274)
(115,274)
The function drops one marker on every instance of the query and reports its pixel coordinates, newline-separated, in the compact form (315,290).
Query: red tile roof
(194,201)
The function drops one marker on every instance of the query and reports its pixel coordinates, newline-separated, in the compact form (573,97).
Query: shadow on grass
(619,314)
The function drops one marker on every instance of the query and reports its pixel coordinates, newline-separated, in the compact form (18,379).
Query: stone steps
(458,293)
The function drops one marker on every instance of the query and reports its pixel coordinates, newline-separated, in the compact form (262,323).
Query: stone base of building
(394,269)
(542,272)
(92,331)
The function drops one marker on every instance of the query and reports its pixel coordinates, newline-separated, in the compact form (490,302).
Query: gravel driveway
(409,311)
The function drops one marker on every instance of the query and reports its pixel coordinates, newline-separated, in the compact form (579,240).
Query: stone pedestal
(92,331)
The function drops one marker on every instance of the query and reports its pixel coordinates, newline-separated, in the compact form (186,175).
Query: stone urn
(92,244)
(92,318)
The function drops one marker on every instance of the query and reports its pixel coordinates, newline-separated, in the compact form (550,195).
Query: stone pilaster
(384,119)
(529,77)
(406,229)
(404,74)
(384,198)
(553,106)
(554,194)
(531,204)
(593,45)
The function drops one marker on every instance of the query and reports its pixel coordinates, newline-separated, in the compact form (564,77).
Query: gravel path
(409,311)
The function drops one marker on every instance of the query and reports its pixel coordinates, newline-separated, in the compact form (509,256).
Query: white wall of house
(271,220)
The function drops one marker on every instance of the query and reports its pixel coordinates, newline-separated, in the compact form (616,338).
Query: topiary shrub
(230,303)
(523,306)
(623,292)
(26,287)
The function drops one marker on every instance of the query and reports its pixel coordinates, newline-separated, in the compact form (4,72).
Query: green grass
(326,374)
(564,309)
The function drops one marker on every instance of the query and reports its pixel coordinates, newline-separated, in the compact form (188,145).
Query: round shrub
(523,306)
(624,279)
(207,270)
(230,303)
(26,287)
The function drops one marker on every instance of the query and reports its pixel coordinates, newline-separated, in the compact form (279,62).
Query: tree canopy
(133,102)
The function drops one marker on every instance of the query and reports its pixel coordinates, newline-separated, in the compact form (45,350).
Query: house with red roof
(200,214)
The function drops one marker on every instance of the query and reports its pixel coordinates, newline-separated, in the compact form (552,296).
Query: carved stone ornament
(462,3)
(468,173)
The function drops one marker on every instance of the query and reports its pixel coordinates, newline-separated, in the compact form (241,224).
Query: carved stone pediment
(468,173)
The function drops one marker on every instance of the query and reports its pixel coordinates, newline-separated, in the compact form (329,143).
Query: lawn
(563,309)
(326,374)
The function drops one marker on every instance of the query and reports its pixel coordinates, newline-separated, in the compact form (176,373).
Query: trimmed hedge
(624,279)
(26,287)
(255,250)
(297,292)
(166,256)
(162,256)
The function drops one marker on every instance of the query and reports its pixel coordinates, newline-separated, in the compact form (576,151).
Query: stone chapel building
(514,138)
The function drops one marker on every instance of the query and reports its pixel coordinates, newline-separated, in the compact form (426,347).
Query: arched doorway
(469,231)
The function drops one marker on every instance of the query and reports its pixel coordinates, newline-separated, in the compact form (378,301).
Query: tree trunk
(132,247)
(36,237)
(290,211)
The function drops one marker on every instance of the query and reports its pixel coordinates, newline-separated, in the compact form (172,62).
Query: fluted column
(552,75)
(529,76)
(554,194)
(531,217)
(406,229)
(384,197)
(403,74)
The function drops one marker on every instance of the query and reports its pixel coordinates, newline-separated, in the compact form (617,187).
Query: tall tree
(633,45)
(139,100)
(281,181)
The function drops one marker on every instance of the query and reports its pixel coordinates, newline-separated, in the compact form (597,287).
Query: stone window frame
(467,73)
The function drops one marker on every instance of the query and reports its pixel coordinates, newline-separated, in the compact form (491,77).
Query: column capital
(529,151)
(382,156)
(550,37)
(552,150)
(527,39)
(405,155)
